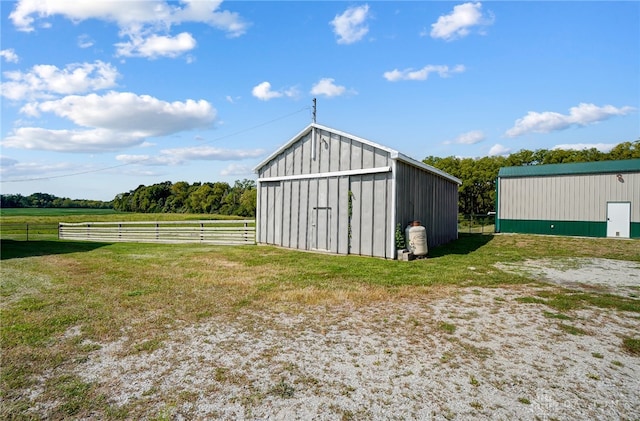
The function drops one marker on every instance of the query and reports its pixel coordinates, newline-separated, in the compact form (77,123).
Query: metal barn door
(320,227)
(618,219)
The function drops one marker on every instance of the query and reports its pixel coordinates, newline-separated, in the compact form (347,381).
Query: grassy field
(42,224)
(27,213)
(53,216)
(51,287)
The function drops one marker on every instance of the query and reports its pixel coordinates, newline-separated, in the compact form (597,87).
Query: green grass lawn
(49,287)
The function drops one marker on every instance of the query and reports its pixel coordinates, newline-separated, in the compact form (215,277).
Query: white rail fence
(222,232)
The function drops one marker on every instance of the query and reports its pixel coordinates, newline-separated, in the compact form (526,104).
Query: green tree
(200,200)
(177,200)
(625,150)
(248,201)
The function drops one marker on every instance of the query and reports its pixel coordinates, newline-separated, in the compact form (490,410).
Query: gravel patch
(471,354)
(604,275)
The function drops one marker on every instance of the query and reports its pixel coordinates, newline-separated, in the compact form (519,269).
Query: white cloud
(602,147)
(12,168)
(5,161)
(468,138)
(236,169)
(156,46)
(351,25)
(549,121)
(292,92)
(459,22)
(9,55)
(148,160)
(130,15)
(422,74)
(45,81)
(209,153)
(206,11)
(110,122)
(328,88)
(263,92)
(142,22)
(85,41)
(498,149)
(96,140)
(124,13)
(178,156)
(142,115)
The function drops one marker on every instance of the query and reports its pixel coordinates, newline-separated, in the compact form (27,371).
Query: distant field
(55,215)
(37,212)
(42,223)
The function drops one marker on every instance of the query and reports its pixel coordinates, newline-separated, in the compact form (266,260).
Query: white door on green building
(618,219)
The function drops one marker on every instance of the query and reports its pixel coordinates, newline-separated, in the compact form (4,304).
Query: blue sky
(101,96)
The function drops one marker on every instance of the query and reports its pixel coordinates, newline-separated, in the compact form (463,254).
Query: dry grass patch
(267,315)
(631,345)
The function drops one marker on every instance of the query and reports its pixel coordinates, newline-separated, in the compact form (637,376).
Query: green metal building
(592,199)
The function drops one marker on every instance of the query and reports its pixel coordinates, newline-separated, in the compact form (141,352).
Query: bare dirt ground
(454,354)
(589,274)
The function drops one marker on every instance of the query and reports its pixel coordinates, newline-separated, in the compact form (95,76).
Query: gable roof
(597,167)
(394,154)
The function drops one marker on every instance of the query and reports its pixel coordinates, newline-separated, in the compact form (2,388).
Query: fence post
(27,232)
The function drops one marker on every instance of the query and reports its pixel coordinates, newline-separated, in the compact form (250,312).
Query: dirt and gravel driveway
(456,353)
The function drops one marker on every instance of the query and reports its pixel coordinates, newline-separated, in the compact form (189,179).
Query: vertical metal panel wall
(429,198)
(313,213)
(371,212)
(566,197)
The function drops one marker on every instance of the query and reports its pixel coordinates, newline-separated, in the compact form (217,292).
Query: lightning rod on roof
(314,111)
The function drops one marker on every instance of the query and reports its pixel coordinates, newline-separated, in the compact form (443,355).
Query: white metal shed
(330,191)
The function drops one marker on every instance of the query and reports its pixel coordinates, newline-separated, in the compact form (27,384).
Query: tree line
(166,197)
(182,197)
(478,175)
(45,200)
(476,195)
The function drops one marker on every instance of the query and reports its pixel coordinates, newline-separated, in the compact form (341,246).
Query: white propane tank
(416,238)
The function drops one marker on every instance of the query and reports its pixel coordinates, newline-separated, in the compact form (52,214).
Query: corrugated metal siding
(333,153)
(371,210)
(567,198)
(431,199)
(313,213)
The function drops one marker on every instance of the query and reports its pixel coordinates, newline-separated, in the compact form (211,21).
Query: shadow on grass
(11,249)
(465,244)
